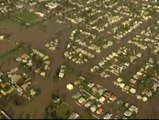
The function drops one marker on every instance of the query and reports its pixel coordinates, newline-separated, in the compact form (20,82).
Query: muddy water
(37,35)
(5,46)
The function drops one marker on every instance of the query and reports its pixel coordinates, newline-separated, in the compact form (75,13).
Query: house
(107,94)
(19,90)
(90,85)
(38,53)
(132,90)
(100,91)
(100,111)
(102,99)
(94,89)
(32,92)
(132,81)
(126,104)
(14,78)
(61,75)
(88,104)
(43,73)
(119,80)
(122,85)
(1,73)
(107,116)
(45,57)
(5,114)
(1,37)
(81,100)
(3,92)
(25,56)
(148,93)
(56,100)
(7,89)
(14,70)
(40,14)
(77,82)
(126,88)
(133,108)
(52,5)
(128,113)
(62,71)
(144,98)
(69,86)
(73,116)
(112,98)
(93,108)
(77,95)
(30,63)
(25,86)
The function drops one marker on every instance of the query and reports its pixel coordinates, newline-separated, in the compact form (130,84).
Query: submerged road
(37,35)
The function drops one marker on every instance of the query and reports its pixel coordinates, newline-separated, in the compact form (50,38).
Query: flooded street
(37,35)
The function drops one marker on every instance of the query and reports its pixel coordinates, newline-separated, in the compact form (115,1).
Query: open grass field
(25,17)
(13,53)
(7,21)
(63,111)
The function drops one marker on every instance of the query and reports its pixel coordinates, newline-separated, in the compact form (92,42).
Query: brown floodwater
(37,35)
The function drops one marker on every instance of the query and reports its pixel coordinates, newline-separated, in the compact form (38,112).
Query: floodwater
(5,46)
(37,35)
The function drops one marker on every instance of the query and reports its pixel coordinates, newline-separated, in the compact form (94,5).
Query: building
(73,116)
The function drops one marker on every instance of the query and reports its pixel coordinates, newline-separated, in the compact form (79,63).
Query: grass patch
(27,17)
(97,95)
(12,54)
(7,21)
(22,17)
(87,115)
(63,111)
(155,95)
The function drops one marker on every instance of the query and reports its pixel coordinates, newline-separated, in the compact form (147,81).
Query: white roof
(73,116)
(93,108)
(144,99)
(133,108)
(119,79)
(61,74)
(32,92)
(128,113)
(88,104)
(107,116)
(1,37)
(43,74)
(122,85)
(69,86)
(81,100)
(133,90)
(102,99)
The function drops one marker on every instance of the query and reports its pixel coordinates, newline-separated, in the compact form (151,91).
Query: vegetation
(13,53)
(7,21)
(63,111)
(26,17)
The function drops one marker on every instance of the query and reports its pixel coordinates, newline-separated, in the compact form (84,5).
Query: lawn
(87,115)
(63,111)
(27,17)
(24,17)
(13,53)
(7,21)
